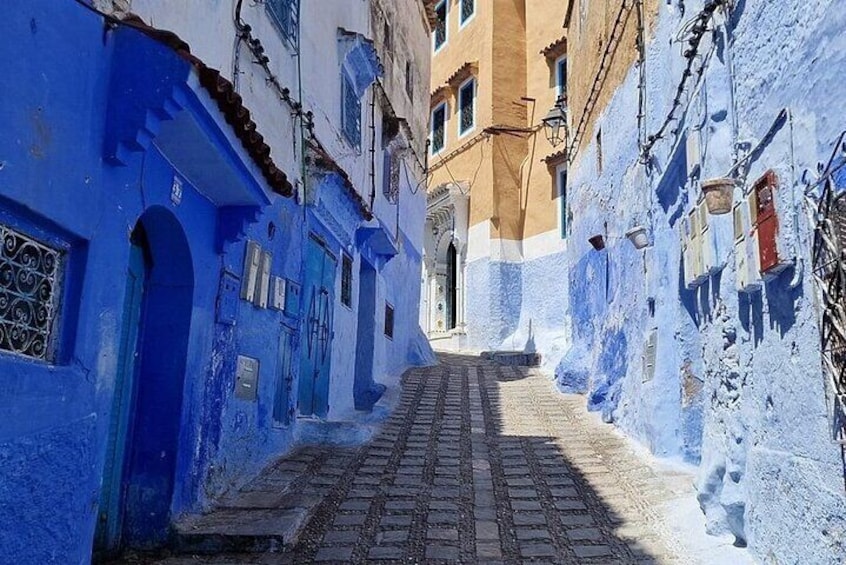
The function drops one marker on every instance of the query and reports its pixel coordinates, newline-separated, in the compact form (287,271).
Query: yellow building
(496,185)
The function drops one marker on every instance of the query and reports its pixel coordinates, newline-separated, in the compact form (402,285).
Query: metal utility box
(246,378)
(766,224)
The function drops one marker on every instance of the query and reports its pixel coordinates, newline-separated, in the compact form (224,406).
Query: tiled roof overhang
(556,48)
(463,72)
(439,94)
(230,103)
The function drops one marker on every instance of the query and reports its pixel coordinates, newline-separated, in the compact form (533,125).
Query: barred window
(440,33)
(285,14)
(466,106)
(346,280)
(438,127)
(409,81)
(391,176)
(350,111)
(30,288)
(389,321)
(468,8)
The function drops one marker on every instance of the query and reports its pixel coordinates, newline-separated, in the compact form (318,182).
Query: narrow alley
(479,463)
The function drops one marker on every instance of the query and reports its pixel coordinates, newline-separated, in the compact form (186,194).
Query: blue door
(112,495)
(318,307)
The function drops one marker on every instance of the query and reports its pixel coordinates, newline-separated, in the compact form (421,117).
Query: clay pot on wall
(598,242)
(719,195)
(637,235)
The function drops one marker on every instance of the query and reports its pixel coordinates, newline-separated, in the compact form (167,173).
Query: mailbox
(765,223)
(246,378)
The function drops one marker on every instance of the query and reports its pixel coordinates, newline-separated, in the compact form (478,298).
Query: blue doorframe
(366,392)
(318,302)
(110,515)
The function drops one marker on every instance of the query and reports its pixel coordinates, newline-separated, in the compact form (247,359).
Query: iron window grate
(438,125)
(389,320)
(441,25)
(466,105)
(346,280)
(468,7)
(285,14)
(30,286)
(351,118)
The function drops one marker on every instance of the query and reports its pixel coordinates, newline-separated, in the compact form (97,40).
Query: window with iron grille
(350,111)
(440,33)
(386,35)
(409,81)
(346,280)
(468,8)
(30,288)
(466,106)
(438,127)
(390,176)
(389,320)
(285,15)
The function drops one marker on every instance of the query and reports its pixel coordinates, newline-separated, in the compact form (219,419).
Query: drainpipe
(798,261)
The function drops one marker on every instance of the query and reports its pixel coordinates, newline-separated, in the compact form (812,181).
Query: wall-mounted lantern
(719,195)
(637,235)
(598,242)
(555,123)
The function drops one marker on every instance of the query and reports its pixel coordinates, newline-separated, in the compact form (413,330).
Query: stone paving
(479,463)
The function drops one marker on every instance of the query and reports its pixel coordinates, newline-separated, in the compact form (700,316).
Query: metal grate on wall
(30,287)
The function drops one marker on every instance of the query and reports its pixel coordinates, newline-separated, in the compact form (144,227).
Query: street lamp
(555,121)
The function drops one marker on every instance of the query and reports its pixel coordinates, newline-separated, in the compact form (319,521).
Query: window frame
(435,47)
(347,85)
(561,82)
(462,21)
(440,106)
(409,81)
(561,199)
(469,82)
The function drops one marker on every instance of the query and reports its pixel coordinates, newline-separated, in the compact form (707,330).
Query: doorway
(451,288)
(366,392)
(144,423)
(319,303)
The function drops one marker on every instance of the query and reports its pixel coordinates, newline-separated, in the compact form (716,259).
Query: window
(285,14)
(30,288)
(386,34)
(409,81)
(599,152)
(389,320)
(439,37)
(561,77)
(438,127)
(467,106)
(468,8)
(561,180)
(346,280)
(390,176)
(350,111)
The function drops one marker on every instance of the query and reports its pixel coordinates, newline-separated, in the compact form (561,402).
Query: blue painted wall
(55,184)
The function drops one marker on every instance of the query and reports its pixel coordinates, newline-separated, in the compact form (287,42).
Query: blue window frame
(561,180)
(285,14)
(438,127)
(439,36)
(350,111)
(467,106)
(561,76)
(468,8)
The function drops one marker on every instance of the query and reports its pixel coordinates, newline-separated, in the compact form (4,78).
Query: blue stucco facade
(110,147)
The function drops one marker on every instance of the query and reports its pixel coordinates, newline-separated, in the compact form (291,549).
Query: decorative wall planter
(598,242)
(637,235)
(719,195)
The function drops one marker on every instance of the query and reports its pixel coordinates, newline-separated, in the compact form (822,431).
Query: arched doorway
(451,287)
(138,476)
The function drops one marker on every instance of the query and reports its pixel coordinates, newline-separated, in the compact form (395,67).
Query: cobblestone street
(479,464)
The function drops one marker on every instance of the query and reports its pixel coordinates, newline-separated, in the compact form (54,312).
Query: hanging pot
(637,235)
(598,242)
(719,195)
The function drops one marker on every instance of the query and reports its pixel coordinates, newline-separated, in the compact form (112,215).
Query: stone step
(513,358)
(265,516)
